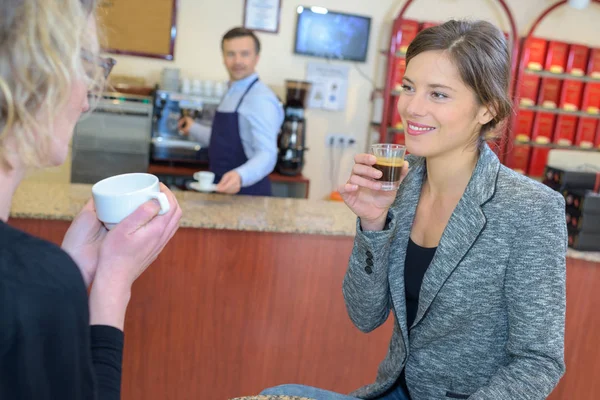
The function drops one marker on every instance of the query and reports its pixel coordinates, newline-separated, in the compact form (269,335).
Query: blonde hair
(41,43)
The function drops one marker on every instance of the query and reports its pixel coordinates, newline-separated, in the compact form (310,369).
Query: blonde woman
(55,342)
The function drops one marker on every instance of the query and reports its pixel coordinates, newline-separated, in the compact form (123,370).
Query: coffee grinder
(291,140)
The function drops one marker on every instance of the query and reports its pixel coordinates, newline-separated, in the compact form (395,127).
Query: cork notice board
(138,27)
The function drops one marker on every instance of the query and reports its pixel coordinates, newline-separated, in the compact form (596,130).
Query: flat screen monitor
(324,33)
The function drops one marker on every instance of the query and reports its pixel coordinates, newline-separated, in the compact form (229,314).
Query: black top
(416,263)
(47,348)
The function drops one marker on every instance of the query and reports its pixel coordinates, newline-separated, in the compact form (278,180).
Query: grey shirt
(491,314)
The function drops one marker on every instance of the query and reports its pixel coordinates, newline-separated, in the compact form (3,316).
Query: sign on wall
(262,15)
(329,87)
(144,28)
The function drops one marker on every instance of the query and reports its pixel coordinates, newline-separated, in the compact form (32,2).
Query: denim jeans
(320,394)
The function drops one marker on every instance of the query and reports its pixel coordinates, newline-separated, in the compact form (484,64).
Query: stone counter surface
(209,211)
(213,211)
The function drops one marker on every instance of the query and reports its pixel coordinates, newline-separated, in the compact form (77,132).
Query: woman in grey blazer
(468,255)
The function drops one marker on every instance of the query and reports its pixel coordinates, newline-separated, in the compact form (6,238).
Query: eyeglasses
(106,63)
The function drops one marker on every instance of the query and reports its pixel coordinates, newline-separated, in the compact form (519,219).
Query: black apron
(226,151)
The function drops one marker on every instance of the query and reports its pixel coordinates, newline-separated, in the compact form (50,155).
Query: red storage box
(586,132)
(591,98)
(566,127)
(550,92)
(556,57)
(529,90)
(571,94)
(408,31)
(543,127)
(593,68)
(535,53)
(578,59)
(524,125)
(520,158)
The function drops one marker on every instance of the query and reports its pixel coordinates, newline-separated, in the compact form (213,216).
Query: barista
(242,144)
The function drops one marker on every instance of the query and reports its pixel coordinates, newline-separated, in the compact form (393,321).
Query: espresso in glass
(391,169)
(390,159)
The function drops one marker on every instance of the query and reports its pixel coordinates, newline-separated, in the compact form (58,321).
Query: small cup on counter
(390,159)
(117,197)
(205,180)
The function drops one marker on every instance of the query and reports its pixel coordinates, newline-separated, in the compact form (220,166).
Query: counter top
(209,211)
(213,211)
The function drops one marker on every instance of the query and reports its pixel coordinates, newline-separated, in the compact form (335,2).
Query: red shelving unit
(402,30)
(550,93)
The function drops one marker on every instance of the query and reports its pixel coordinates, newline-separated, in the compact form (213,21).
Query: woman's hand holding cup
(367,195)
(127,250)
(132,245)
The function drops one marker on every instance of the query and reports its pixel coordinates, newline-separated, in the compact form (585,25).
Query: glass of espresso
(390,159)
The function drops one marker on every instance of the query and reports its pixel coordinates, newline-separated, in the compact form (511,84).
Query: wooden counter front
(224,313)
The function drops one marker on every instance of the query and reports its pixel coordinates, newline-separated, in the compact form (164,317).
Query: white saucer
(196,186)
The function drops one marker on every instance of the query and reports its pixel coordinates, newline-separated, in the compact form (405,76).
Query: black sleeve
(107,357)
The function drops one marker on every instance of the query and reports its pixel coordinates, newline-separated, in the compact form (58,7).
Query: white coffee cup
(120,195)
(205,180)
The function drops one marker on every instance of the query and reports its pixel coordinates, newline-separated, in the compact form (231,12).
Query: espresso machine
(168,143)
(292,137)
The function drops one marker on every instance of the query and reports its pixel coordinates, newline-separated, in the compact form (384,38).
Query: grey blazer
(490,320)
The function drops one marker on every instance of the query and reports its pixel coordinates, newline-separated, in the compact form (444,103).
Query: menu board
(138,27)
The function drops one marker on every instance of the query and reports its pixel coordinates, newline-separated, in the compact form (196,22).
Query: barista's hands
(362,193)
(231,183)
(185,124)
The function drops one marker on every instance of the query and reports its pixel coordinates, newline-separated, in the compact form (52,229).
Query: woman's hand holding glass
(363,195)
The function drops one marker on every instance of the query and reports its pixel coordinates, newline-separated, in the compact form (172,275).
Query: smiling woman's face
(439,112)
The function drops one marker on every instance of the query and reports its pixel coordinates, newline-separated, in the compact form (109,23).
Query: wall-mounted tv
(334,35)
